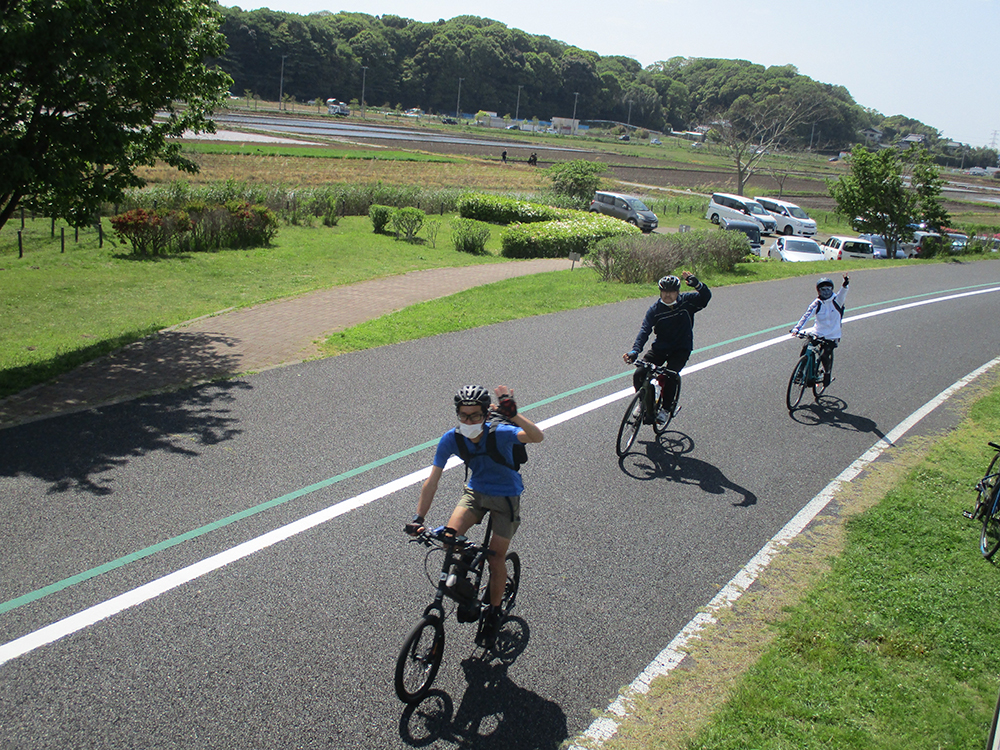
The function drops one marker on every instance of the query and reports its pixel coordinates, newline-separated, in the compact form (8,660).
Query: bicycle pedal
(968,514)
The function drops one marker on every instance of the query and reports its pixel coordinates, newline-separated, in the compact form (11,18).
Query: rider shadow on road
(665,458)
(832,411)
(494,711)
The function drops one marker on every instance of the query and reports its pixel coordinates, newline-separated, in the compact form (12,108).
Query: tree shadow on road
(77,451)
(666,458)
(494,713)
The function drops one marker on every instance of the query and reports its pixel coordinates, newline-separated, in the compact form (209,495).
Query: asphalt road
(293,646)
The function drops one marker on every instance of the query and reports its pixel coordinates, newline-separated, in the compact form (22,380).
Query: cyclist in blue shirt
(491,486)
(671,318)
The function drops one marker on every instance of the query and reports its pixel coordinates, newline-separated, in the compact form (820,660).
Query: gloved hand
(413,528)
(630,357)
(691,280)
(507,408)
(847,279)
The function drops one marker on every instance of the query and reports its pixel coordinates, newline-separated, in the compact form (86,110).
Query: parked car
(879,249)
(750,228)
(625,207)
(655,141)
(855,248)
(728,206)
(790,218)
(912,249)
(449,121)
(624,137)
(795,249)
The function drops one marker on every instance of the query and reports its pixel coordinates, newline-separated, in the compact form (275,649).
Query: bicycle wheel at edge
(985,488)
(989,538)
(513,582)
(419,659)
(795,389)
(631,423)
(659,428)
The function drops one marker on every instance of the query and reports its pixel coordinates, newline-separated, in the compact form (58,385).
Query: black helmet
(670,284)
(473,395)
(825,282)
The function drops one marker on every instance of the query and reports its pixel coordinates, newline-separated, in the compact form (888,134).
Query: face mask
(470,430)
(825,292)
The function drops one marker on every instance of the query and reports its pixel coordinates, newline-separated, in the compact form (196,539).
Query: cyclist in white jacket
(829,311)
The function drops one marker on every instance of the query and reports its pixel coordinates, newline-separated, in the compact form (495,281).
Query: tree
(89,92)
(874,197)
(577,179)
(751,129)
(927,183)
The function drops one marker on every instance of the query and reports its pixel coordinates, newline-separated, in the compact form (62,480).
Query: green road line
(249,512)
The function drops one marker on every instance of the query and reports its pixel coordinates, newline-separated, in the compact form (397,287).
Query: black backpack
(519,453)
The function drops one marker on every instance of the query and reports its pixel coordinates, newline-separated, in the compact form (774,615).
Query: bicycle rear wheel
(986,486)
(797,383)
(989,539)
(634,414)
(419,659)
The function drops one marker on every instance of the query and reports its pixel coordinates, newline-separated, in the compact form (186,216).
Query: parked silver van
(790,218)
(736,207)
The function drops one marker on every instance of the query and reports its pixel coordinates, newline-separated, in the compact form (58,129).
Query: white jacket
(829,313)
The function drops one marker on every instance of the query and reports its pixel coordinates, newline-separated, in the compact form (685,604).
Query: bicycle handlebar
(656,369)
(812,337)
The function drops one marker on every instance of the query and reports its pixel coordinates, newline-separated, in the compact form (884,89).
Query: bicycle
(988,506)
(645,406)
(808,372)
(463,579)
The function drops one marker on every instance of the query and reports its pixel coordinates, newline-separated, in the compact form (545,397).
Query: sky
(927,60)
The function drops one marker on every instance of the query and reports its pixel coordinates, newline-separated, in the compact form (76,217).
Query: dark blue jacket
(673,324)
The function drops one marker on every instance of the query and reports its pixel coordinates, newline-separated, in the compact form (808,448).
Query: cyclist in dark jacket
(671,318)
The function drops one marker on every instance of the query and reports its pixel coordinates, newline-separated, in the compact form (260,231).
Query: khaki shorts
(506,511)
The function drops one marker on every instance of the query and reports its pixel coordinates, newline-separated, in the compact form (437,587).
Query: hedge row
(498,209)
(557,239)
(644,259)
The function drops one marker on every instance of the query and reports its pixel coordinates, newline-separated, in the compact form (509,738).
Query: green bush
(470,236)
(557,239)
(150,232)
(644,259)
(577,179)
(406,222)
(380,216)
(331,214)
(498,209)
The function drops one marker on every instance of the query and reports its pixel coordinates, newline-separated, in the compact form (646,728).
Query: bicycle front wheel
(634,414)
(513,582)
(989,539)
(797,383)
(419,659)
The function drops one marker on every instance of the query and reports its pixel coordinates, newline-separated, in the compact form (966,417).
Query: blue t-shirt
(485,474)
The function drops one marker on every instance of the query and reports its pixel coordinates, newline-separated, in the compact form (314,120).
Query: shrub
(331,216)
(249,225)
(644,259)
(498,209)
(557,239)
(577,179)
(470,236)
(407,222)
(380,216)
(149,232)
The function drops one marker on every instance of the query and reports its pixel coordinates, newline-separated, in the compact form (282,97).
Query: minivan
(790,218)
(625,207)
(750,228)
(728,206)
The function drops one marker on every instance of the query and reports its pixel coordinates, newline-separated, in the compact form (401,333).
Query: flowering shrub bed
(557,239)
(497,209)
(199,228)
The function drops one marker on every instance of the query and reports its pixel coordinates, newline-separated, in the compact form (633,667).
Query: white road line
(602,729)
(85,618)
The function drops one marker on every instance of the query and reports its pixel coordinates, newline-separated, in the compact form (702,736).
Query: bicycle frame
(461,557)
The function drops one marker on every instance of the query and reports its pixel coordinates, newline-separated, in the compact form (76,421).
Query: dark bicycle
(987,506)
(646,405)
(809,371)
(464,579)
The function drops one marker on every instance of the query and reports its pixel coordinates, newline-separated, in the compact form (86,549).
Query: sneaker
(827,377)
(491,625)
(637,411)
(662,417)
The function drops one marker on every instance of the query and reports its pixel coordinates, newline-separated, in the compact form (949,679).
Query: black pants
(825,354)
(674,361)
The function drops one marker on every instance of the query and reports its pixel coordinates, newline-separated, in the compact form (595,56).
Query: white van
(736,207)
(790,218)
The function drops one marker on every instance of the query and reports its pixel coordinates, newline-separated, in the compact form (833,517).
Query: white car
(838,248)
(795,249)
(790,218)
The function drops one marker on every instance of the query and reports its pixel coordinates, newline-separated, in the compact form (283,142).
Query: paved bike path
(247,340)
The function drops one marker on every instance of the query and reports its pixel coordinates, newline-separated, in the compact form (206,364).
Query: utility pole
(364,73)
(458,105)
(629,123)
(576,97)
(281,85)
(517,109)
